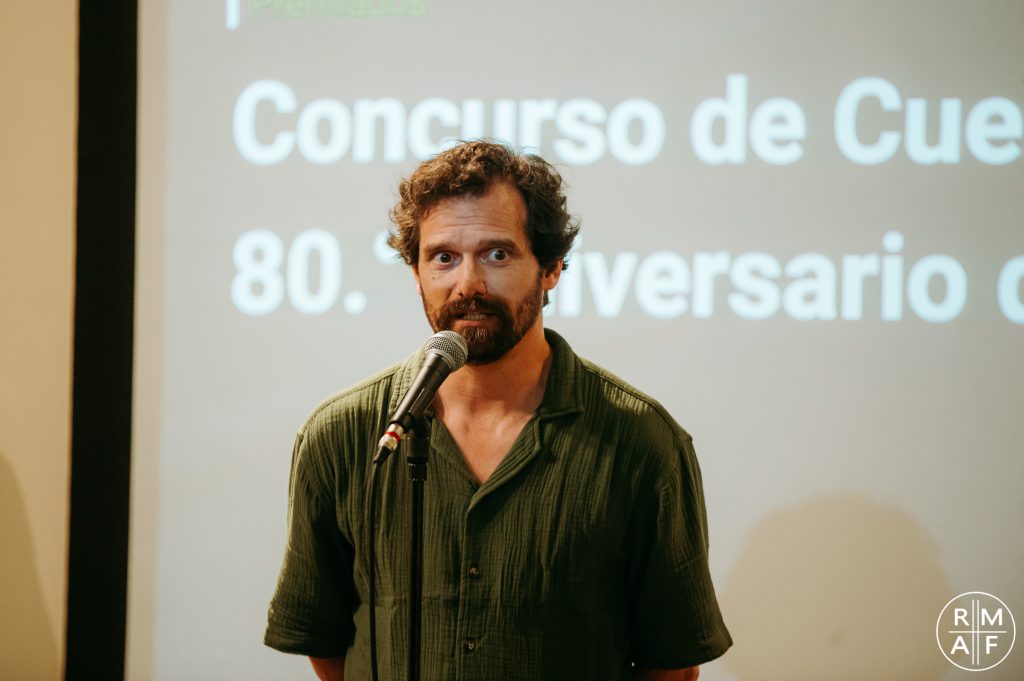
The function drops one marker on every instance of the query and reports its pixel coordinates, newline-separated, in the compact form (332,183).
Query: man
(565,530)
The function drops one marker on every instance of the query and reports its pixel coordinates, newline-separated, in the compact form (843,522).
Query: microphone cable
(371,552)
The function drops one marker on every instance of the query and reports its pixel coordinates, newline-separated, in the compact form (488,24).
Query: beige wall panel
(38,55)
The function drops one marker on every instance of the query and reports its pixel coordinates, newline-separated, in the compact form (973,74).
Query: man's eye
(444,258)
(498,254)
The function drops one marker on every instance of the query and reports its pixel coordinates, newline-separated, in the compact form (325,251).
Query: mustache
(476,304)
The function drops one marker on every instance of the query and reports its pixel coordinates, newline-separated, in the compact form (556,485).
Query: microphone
(444,352)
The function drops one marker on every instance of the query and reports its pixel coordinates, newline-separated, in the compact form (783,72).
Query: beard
(488,344)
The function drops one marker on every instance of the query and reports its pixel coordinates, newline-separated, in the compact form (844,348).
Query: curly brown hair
(469,169)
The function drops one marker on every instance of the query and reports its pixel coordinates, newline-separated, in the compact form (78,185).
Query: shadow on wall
(28,648)
(838,588)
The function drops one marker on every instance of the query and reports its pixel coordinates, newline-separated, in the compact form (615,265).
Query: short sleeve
(675,618)
(311,611)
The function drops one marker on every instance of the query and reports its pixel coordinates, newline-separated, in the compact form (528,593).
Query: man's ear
(416,276)
(551,275)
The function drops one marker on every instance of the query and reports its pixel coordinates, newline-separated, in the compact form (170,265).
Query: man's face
(477,274)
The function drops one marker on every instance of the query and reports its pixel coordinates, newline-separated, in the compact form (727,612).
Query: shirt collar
(560,393)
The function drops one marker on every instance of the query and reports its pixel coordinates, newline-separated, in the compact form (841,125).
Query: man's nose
(471,279)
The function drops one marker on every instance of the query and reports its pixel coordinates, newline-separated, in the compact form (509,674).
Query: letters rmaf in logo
(975,631)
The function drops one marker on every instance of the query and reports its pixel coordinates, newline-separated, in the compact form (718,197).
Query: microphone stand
(444,352)
(416,459)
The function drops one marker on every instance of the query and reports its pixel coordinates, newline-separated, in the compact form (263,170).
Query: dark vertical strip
(104,297)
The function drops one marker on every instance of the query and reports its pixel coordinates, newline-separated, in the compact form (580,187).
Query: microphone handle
(422,392)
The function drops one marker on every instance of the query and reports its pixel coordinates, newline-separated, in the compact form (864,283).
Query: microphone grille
(451,346)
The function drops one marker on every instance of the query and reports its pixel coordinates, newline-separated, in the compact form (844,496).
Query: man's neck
(515,383)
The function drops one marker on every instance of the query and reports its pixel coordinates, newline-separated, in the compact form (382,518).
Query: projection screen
(801,232)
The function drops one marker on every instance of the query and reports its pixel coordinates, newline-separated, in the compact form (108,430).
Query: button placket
(469,625)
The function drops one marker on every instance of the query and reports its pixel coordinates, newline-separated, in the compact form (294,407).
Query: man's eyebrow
(438,246)
(430,249)
(507,244)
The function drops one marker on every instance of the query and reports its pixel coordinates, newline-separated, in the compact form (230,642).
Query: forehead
(499,211)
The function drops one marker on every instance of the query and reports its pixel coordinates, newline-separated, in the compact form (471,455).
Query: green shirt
(585,550)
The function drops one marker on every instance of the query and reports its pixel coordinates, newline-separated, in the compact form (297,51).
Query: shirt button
(474,572)
(469,645)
